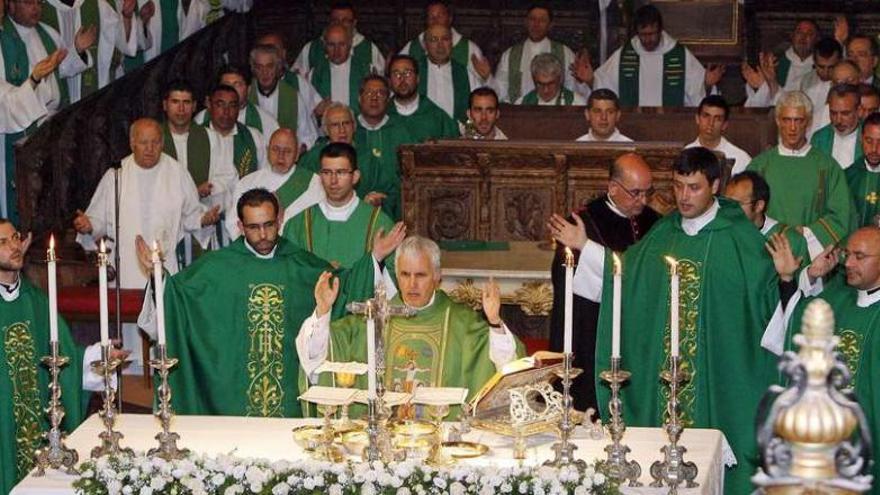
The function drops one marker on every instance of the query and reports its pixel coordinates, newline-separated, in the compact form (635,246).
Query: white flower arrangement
(229,475)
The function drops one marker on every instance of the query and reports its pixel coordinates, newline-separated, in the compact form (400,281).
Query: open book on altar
(494,398)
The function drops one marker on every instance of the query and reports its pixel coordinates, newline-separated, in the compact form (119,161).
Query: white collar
(666,43)
(233,132)
(21,29)
(10,293)
(536,44)
(864,300)
(426,306)
(613,207)
(769,223)
(849,137)
(258,255)
(693,226)
(783,151)
(370,127)
(794,57)
(722,143)
(443,66)
(407,109)
(874,169)
(339,213)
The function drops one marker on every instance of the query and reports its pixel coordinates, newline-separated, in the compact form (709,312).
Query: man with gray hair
(809,188)
(840,138)
(446,344)
(338,125)
(292,105)
(548,74)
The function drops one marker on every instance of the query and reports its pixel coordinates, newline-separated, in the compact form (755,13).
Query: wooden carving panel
(520,211)
(452,212)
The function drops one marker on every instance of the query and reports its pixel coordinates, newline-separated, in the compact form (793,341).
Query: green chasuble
(565,97)
(808,190)
(823,140)
(377,161)
(444,345)
(24,381)
(428,121)
(461,87)
(674,76)
(728,295)
(865,188)
(859,347)
(310,160)
(339,243)
(232,319)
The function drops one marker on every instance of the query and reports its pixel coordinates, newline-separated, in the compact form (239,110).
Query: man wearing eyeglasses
(616,220)
(296,187)
(338,124)
(341,226)
(423,118)
(376,139)
(24,318)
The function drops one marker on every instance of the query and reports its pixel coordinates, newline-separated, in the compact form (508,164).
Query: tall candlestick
(159,292)
(371,354)
(615,306)
(102,294)
(53,291)
(569,299)
(673,305)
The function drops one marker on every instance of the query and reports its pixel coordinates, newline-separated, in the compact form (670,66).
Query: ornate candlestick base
(619,467)
(167,448)
(55,455)
(673,470)
(106,367)
(564,449)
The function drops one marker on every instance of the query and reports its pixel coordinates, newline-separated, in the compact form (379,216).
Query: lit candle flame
(569,257)
(52,242)
(673,263)
(618,267)
(103,247)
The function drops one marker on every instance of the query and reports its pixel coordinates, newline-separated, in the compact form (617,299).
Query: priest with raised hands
(446,344)
(24,318)
(231,317)
(729,296)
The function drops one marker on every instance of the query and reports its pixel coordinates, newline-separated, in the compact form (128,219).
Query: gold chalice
(437,457)
(328,450)
(345,380)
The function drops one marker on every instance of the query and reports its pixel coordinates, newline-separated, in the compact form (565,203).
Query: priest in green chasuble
(729,298)
(341,226)
(446,344)
(232,316)
(853,291)
(24,381)
(863,176)
(809,187)
(423,118)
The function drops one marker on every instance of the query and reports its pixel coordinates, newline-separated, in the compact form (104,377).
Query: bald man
(844,72)
(296,187)
(158,201)
(617,220)
(851,290)
(337,76)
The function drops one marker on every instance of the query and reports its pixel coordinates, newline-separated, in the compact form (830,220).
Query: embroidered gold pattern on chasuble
(850,348)
(415,354)
(265,364)
(26,410)
(690,285)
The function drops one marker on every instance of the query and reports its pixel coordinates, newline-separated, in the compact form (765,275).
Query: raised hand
(81,223)
(205,189)
(211,216)
(841,29)
(482,66)
(147,12)
(492,302)
(48,65)
(754,78)
(326,290)
(767,65)
(385,244)
(783,259)
(85,38)
(375,198)
(824,263)
(572,235)
(128,8)
(714,73)
(582,69)
(144,254)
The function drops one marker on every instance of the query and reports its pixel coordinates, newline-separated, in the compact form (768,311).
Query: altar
(271,439)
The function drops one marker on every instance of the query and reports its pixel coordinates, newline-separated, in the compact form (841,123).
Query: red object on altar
(81,303)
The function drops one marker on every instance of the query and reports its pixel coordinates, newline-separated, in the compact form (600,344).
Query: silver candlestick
(564,448)
(673,470)
(106,367)
(619,467)
(167,449)
(55,455)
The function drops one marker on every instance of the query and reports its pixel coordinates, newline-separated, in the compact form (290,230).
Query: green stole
(865,189)
(129,64)
(823,139)
(461,87)
(673,76)
(782,69)
(170,26)
(360,65)
(17,71)
(241,325)
(89,16)
(514,66)
(565,97)
(294,186)
(318,233)
(198,151)
(460,50)
(24,340)
(288,105)
(244,151)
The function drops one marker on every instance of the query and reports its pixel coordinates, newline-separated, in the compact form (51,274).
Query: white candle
(53,292)
(673,306)
(159,292)
(615,305)
(371,356)
(102,294)
(569,299)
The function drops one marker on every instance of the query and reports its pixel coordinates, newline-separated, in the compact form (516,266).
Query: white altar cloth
(271,438)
